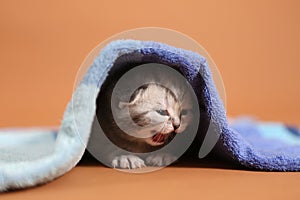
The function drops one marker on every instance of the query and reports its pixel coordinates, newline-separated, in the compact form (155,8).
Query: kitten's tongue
(159,137)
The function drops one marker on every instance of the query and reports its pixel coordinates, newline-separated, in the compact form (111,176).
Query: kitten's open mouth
(160,137)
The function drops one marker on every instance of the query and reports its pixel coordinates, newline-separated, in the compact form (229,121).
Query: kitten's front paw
(127,162)
(160,159)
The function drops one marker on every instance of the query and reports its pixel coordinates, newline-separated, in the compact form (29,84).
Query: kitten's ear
(134,98)
(123,105)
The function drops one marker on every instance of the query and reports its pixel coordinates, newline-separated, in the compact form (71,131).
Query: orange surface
(255,45)
(193,181)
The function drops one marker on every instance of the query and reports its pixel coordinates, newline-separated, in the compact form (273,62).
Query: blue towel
(30,157)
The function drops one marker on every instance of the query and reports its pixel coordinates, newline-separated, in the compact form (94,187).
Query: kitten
(148,122)
(140,127)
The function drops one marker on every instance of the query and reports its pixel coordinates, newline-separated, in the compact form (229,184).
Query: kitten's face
(157,112)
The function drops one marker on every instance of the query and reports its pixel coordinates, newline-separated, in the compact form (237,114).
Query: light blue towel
(29,157)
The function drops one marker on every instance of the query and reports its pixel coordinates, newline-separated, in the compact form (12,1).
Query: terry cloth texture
(30,157)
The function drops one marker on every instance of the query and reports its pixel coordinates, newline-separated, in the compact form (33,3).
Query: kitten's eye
(184,112)
(162,112)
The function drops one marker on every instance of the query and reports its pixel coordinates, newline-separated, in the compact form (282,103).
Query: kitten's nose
(175,126)
(175,123)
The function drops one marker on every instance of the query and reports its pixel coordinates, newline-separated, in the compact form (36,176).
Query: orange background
(255,44)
